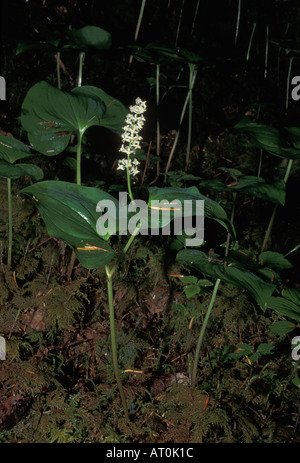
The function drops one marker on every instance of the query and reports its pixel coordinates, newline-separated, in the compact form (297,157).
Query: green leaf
(242,349)
(274,260)
(285,307)
(296,381)
(189,279)
(265,348)
(69,212)
(212,210)
(191,290)
(19,170)
(292,295)
(282,327)
(283,143)
(11,149)
(115,113)
(260,290)
(251,185)
(50,116)
(89,37)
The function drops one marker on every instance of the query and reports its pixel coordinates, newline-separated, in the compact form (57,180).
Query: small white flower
(131,138)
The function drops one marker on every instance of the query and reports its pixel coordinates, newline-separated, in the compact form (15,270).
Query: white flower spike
(131,138)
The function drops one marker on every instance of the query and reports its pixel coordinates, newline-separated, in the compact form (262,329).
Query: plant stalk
(58,69)
(202,332)
(193,73)
(191,84)
(10,231)
(268,231)
(157,118)
(81,60)
(113,340)
(78,158)
(78,181)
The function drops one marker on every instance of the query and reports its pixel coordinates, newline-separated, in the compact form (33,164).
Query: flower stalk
(131,141)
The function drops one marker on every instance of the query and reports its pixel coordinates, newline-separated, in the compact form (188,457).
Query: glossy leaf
(285,307)
(283,143)
(14,171)
(50,116)
(89,37)
(69,212)
(115,113)
(11,149)
(260,290)
(212,210)
(292,295)
(251,185)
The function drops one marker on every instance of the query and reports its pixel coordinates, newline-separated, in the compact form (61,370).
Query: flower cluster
(131,138)
(132,165)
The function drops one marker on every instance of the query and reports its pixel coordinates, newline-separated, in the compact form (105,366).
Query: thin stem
(78,181)
(266,51)
(113,340)
(193,72)
(250,42)
(202,332)
(157,117)
(81,60)
(237,23)
(260,163)
(138,25)
(268,232)
(179,22)
(288,83)
(9,222)
(231,220)
(195,15)
(191,84)
(58,69)
(128,180)
(139,19)
(78,158)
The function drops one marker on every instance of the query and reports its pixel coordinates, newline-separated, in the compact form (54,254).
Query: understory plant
(71,214)
(11,151)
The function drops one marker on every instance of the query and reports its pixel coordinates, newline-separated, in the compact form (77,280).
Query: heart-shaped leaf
(50,116)
(115,113)
(70,214)
(260,290)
